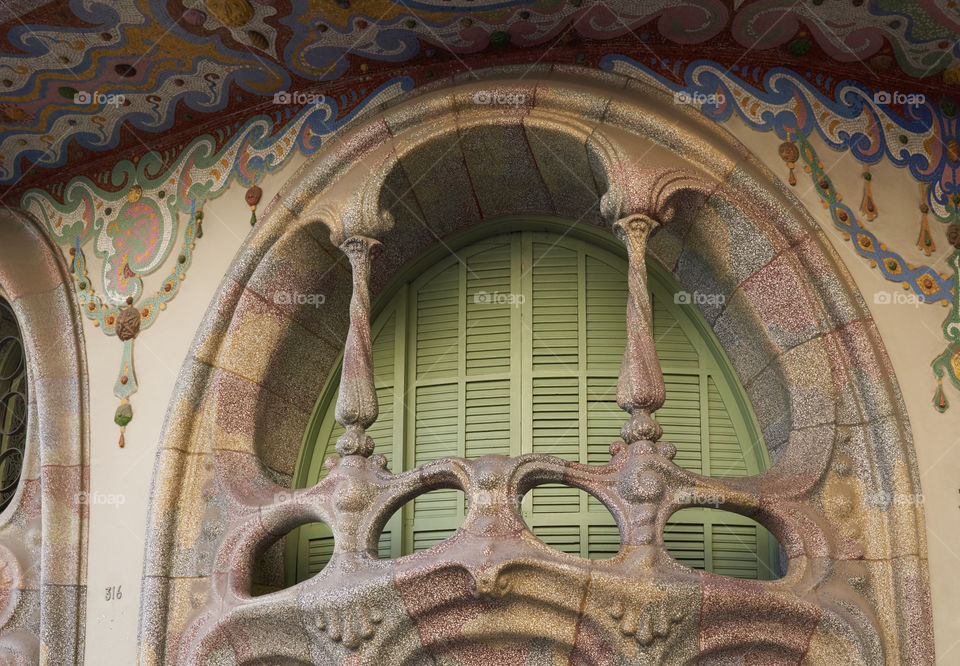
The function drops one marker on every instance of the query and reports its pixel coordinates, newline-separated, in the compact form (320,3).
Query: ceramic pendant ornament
(939,399)
(925,239)
(252,198)
(128,321)
(789,153)
(127,327)
(867,207)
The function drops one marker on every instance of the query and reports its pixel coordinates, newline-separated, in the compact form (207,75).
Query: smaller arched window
(13,402)
(513,344)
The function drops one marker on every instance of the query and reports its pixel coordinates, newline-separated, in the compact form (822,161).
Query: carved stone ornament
(128,321)
(357,406)
(640,388)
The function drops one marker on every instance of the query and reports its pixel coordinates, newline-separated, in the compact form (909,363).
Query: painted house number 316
(114,592)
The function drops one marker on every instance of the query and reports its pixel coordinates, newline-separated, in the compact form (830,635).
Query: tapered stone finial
(357,406)
(640,389)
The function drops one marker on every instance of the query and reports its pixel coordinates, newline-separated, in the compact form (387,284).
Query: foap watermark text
(297,298)
(497,98)
(85,97)
(698,298)
(699,98)
(897,97)
(297,97)
(696,498)
(84,497)
(498,298)
(897,298)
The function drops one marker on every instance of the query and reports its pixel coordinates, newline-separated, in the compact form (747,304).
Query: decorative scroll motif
(357,406)
(68,65)
(925,142)
(129,320)
(924,281)
(948,363)
(928,284)
(201,172)
(640,388)
(14,400)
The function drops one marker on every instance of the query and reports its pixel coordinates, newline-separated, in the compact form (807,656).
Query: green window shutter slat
(437,325)
(423,539)
(606,291)
(554,498)
(436,504)
(673,346)
(435,427)
(383,547)
(556,417)
(555,331)
(487,414)
(382,429)
(565,538)
(734,549)
(685,541)
(604,418)
(488,335)
(680,418)
(319,547)
(384,349)
(726,451)
(556,431)
(603,540)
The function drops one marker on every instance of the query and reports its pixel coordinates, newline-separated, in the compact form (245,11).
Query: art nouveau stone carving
(819,381)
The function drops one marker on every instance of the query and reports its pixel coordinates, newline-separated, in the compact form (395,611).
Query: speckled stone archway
(43,532)
(577,145)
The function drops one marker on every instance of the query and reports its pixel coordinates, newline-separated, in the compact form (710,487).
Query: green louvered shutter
(436,398)
(514,345)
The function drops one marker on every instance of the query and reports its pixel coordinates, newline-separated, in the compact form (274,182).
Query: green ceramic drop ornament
(124,414)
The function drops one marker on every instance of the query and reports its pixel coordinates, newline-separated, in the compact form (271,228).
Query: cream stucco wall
(912,335)
(117,530)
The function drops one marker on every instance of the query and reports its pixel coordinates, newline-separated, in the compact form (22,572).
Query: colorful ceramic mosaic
(923,137)
(132,230)
(930,285)
(70,83)
(788,103)
(948,363)
(133,234)
(126,322)
(924,140)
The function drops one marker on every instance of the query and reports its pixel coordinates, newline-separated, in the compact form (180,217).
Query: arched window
(13,403)
(512,344)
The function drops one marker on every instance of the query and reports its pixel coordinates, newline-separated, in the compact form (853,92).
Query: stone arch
(44,529)
(430,163)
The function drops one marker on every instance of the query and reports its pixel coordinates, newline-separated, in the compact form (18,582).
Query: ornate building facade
(459,333)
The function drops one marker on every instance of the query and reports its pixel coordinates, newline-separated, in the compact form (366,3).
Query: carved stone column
(640,389)
(357,406)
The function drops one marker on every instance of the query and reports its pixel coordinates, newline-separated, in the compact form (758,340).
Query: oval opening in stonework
(723,543)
